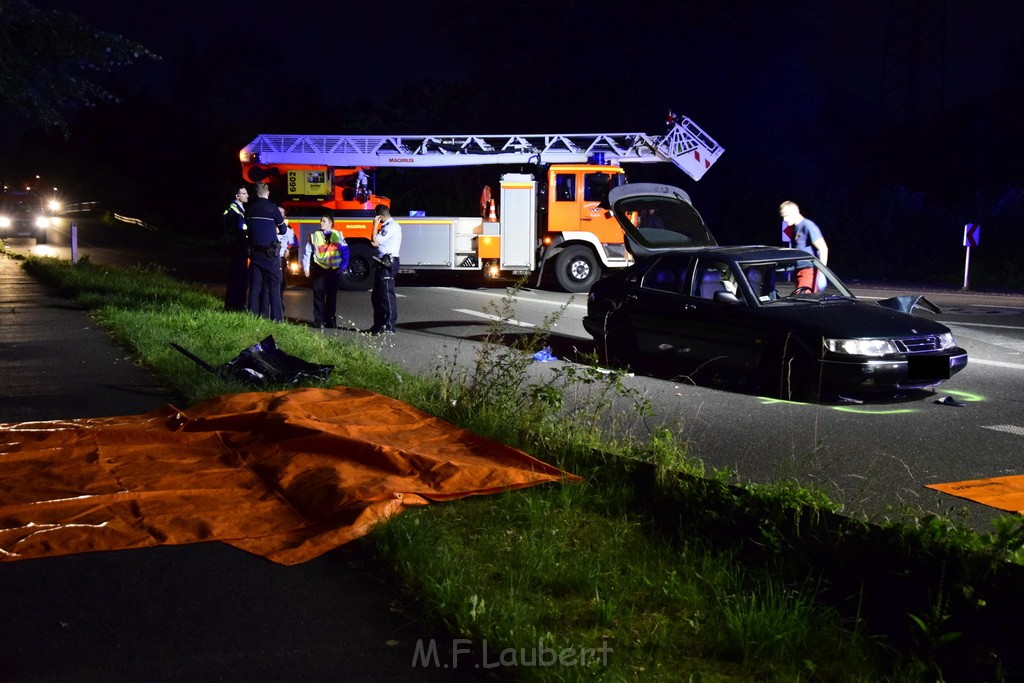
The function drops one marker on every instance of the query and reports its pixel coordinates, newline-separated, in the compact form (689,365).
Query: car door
(656,312)
(720,323)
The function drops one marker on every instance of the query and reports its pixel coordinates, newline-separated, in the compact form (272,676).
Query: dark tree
(52,62)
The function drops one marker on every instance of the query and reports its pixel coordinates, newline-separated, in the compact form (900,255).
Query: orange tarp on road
(1002,493)
(288,475)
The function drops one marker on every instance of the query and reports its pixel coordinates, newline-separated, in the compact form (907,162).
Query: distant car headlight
(53,205)
(946,341)
(5,222)
(42,222)
(861,347)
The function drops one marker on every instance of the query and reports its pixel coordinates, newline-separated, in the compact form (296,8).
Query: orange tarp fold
(287,475)
(1002,493)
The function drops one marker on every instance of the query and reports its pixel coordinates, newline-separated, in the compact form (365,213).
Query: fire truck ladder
(685,144)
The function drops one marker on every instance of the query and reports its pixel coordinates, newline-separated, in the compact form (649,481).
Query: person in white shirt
(387,238)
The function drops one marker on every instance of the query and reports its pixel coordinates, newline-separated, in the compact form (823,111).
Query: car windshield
(784,281)
(14,204)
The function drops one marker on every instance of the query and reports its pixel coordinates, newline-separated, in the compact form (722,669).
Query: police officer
(266,229)
(323,259)
(387,237)
(238,251)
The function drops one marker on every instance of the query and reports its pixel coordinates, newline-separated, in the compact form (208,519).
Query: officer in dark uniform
(238,252)
(266,229)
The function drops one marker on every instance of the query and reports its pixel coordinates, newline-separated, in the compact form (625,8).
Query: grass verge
(670,573)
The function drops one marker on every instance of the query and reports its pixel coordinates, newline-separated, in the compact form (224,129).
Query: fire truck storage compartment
(436,241)
(518,221)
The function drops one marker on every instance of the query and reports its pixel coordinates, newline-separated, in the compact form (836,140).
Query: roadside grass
(575,569)
(683,575)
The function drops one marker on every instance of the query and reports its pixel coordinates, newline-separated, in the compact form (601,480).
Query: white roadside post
(74,243)
(972,234)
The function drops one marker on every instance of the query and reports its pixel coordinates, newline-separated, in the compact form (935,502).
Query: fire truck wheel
(577,268)
(358,276)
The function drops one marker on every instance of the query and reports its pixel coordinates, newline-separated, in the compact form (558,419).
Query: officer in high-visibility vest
(238,251)
(323,259)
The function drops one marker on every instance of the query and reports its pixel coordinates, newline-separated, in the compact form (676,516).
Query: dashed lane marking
(523,299)
(495,318)
(1009,429)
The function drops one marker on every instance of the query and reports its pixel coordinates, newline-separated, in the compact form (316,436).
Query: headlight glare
(946,341)
(861,347)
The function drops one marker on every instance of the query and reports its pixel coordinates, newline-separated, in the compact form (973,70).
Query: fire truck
(554,216)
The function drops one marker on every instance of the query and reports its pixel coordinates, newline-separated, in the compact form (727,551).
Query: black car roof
(741,254)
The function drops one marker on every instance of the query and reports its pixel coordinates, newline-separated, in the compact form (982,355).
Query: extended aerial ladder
(685,144)
(558,217)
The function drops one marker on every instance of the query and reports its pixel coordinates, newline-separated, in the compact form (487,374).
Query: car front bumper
(917,371)
(21,228)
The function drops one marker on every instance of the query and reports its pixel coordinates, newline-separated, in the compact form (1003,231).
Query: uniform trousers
(325,282)
(265,286)
(383,298)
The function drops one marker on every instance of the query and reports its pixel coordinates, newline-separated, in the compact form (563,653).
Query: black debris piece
(264,363)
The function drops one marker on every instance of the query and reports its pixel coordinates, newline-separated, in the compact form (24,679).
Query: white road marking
(523,299)
(998,327)
(495,318)
(995,363)
(1009,341)
(1009,429)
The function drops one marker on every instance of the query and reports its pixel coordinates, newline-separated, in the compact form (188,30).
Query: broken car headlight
(945,341)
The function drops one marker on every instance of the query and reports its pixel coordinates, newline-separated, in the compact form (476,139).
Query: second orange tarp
(1002,493)
(288,475)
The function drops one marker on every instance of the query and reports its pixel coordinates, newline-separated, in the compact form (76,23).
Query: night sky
(832,104)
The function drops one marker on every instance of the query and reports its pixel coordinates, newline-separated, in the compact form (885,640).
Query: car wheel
(577,268)
(41,237)
(358,275)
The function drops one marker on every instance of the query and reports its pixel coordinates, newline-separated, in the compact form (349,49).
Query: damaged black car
(736,316)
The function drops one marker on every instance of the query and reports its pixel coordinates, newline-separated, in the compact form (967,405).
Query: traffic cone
(492,215)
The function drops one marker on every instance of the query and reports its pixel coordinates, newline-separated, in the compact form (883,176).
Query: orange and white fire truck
(556,215)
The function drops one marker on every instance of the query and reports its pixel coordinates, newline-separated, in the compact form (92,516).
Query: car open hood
(657,218)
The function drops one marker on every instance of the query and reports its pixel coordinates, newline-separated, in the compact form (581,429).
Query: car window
(711,277)
(779,281)
(14,205)
(595,188)
(664,222)
(668,275)
(565,187)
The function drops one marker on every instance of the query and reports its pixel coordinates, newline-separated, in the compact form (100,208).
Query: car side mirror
(726,298)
